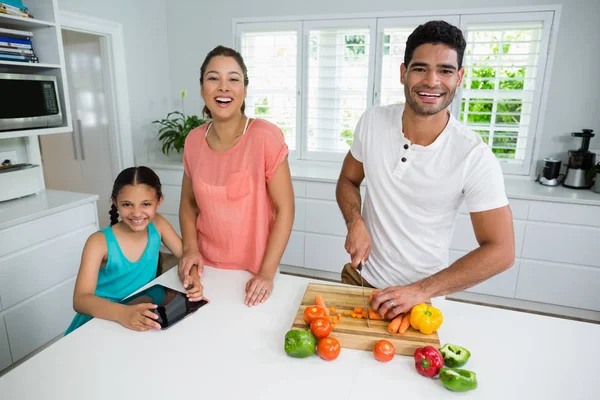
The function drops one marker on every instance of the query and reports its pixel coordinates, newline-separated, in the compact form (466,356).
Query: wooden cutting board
(353,333)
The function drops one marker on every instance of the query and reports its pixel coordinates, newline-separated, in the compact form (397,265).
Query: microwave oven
(28,101)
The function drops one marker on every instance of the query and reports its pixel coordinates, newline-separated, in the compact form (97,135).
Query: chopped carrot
(405,323)
(364,313)
(395,324)
(359,316)
(346,312)
(353,314)
(373,314)
(321,303)
(357,310)
(332,309)
(339,316)
(373,294)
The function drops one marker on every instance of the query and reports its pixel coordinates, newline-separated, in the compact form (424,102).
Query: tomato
(328,348)
(320,327)
(313,312)
(384,351)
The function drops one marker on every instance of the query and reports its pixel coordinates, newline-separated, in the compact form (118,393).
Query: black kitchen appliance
(551,172)
(580,162)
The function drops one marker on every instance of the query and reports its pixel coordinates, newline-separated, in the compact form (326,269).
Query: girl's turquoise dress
(120,277)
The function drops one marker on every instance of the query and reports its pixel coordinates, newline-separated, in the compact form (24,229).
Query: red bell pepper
(428,361)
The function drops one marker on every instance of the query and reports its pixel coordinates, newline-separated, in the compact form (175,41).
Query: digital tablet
(173,306)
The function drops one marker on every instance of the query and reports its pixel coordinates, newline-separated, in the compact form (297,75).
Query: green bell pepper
(300,344)
(455,356)
(458,380)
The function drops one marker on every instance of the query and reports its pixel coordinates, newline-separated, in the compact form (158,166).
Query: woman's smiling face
(223,88)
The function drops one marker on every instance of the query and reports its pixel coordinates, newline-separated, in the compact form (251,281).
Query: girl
(237,200)
(122,258)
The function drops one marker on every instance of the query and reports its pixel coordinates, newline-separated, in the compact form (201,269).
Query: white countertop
(229,351)
(517,187)
(14,212)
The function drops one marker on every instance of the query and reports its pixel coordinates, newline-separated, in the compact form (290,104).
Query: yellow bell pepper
(426,319)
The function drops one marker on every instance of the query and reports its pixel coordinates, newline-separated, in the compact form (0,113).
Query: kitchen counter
(14,212)
(229,351)
(517,187)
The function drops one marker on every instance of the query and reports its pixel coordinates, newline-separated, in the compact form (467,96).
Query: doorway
(88,159)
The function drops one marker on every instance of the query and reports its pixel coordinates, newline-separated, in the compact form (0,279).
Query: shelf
(11,21)
(34,132)
(30,65)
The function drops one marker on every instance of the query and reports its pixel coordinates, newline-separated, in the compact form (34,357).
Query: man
(421,164)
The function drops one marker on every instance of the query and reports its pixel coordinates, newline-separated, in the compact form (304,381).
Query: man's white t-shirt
(414,193)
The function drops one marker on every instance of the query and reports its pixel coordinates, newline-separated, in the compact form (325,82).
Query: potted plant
(175,128)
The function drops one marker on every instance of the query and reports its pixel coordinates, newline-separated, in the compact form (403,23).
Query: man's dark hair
(436,32)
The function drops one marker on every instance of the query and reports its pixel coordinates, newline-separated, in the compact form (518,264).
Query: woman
(237,200)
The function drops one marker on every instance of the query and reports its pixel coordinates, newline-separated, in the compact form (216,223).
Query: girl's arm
(169,237)
(188,214)
(281,193)
(86,302)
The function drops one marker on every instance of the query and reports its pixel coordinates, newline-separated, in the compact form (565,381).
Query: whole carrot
(395,324)
(405,323)
(321,303)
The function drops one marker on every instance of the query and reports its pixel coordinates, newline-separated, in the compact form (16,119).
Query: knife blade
(362,284)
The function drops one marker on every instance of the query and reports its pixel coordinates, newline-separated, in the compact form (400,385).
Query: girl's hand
(189,258)
(258,290)
(139,317)
(193,287)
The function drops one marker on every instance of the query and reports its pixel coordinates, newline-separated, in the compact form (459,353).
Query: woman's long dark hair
(225,52)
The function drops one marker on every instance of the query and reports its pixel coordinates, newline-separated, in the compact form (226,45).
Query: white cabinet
(38,320)
(39,261)
(5,358)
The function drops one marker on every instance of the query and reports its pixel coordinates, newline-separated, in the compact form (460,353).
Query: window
(315,78)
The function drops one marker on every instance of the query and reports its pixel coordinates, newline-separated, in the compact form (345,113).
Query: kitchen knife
(362,284)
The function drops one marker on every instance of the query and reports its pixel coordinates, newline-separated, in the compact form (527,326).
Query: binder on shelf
(14,50)
(15,32)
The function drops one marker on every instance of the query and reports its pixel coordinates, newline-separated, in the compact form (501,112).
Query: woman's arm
(188,214)
(168,236)
(281,193)
(86,302)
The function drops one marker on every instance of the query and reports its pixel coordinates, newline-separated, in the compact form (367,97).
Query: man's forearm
(469,270)
(348,199)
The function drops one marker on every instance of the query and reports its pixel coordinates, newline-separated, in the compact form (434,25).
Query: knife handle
(360,266)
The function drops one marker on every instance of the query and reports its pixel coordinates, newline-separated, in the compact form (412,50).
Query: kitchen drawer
(299,188)
(30,233)
(5,358)
(24,274)
(170,176)
(38,320)
(576,214)
(326,191)
(519,208)
(300,215)
(325,253)
(174,221)
(463,237)
(562,243)
(170,204)
(294,252)
(503,284)
(324,217)
(561,284)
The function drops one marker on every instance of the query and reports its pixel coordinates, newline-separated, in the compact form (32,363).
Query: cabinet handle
(80,140)
(73,141)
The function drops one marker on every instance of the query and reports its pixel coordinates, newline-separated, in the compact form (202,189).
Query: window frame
(550,16)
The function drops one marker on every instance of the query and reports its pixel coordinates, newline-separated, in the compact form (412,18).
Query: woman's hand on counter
(189,259)
(258,290)
(139,317)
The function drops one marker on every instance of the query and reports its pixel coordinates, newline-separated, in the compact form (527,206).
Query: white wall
(195,27)
(16,145)
(147,57)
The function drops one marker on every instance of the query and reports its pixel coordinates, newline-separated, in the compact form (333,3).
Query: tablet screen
(173,305)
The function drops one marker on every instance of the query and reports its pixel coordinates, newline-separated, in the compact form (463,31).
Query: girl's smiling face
(137,206)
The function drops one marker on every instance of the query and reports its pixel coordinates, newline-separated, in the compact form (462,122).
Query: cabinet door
(5,358)
(37,321)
